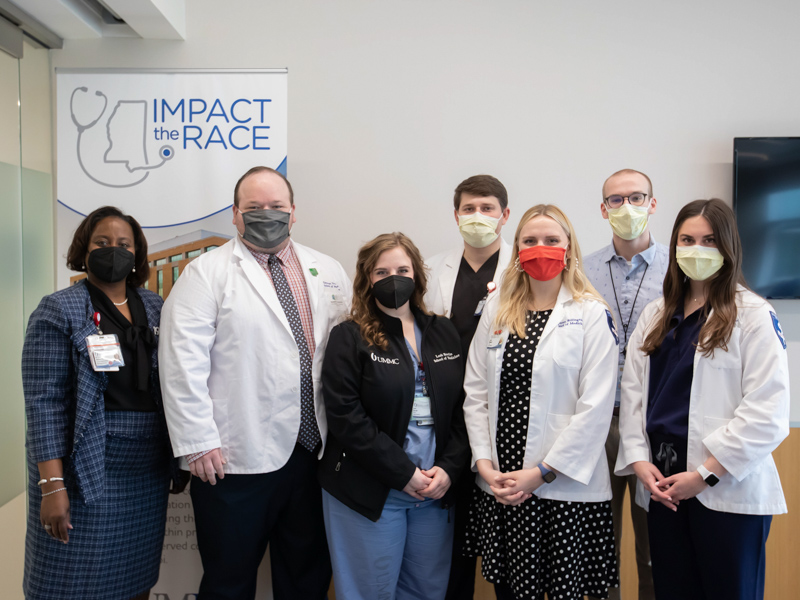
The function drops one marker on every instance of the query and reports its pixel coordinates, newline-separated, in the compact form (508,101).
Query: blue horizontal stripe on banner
(281,169)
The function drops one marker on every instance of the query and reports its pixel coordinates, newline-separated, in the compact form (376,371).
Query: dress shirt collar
(648,255)
(283,256)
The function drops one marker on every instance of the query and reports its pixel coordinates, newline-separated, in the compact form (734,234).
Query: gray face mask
(266,228)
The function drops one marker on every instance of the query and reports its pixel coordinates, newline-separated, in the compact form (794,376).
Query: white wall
(392,104)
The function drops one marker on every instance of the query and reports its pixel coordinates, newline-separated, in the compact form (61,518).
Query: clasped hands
(513,488)
(669,491)
(432,483)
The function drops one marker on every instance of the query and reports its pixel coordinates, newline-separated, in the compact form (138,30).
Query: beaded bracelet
(41,482)
(54,491)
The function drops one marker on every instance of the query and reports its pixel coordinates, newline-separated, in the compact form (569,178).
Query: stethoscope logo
(116,157)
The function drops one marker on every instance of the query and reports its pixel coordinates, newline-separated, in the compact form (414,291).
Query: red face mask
(543,262)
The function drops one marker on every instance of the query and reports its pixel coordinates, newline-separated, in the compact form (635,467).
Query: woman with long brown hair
(396,440)
(540,387)
(705,401)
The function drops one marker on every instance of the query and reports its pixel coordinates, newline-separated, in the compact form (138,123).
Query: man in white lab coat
(243,336)
(460,283)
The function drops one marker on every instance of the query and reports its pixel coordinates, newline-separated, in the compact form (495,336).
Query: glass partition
(12,416)
(26,237)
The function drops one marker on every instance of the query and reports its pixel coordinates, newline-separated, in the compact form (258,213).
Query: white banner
(154,143)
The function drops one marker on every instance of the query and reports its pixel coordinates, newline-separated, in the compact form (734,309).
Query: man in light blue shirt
(629,274)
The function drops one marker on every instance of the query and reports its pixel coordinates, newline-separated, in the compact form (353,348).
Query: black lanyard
(633,306)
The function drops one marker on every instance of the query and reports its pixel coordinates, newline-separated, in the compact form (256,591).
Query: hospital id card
(496,340)
(105,352)
(421,411)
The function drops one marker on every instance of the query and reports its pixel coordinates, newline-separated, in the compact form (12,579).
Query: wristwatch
(708,476)
(548,475)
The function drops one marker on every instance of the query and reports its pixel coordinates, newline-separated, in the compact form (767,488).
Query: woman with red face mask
(540,386)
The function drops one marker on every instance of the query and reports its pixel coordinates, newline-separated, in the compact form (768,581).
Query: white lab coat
(230,373)
(444,270)
(738,410)
(573,385)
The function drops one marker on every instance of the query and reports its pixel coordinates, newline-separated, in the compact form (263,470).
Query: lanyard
(633,306)
(417,356)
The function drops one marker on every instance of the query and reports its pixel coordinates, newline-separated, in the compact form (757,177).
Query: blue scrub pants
(405,555)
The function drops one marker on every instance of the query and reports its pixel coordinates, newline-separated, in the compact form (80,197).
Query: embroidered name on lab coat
(567,322)
(445,356)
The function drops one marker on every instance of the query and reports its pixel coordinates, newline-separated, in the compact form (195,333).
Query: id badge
(619,375)
(421,411)
(105,352)
(481,304)
(490,287)
(496,340)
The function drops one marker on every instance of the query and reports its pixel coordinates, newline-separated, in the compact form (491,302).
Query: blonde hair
(516,294)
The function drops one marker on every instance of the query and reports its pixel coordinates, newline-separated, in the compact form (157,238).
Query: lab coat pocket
(555,424)
(568,347)
(710,426)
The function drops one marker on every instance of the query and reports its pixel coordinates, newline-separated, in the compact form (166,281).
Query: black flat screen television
(766,199)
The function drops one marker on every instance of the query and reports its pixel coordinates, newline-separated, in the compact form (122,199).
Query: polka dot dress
(563,548)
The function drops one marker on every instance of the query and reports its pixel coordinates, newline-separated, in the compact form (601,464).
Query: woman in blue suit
(99,462)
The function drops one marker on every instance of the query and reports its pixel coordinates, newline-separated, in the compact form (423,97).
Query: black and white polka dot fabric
(565,549)
(309,436)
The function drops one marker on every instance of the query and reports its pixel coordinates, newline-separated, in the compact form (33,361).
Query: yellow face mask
(698,262)
(628,222)
(478,230)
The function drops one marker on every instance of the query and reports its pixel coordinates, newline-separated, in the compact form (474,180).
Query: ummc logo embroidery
(388,361)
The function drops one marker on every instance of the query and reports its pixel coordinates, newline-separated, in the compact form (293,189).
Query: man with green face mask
(461,281)
(629,273)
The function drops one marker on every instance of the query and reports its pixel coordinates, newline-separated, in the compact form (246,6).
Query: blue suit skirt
(114,549)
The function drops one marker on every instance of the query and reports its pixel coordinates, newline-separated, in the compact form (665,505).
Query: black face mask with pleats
(111,264)
(393,291)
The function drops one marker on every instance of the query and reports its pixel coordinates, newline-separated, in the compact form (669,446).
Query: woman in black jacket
(392,381)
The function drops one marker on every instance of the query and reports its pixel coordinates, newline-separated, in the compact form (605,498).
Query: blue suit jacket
(64,400)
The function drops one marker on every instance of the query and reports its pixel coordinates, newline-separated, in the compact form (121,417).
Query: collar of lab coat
(447,278)
(263,285)
(564,297)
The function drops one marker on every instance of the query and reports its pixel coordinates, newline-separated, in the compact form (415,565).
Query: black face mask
(265,228)
(393,291)
(111,264)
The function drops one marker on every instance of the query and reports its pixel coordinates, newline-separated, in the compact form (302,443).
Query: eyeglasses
(636,199)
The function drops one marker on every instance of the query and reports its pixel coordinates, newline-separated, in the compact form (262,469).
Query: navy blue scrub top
(671,373)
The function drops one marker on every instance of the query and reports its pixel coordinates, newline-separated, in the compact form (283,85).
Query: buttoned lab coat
(738,410)
(444,271)
(230,370)
(573,385)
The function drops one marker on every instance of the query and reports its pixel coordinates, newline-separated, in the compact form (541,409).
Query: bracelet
(54,491)
(41,482)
